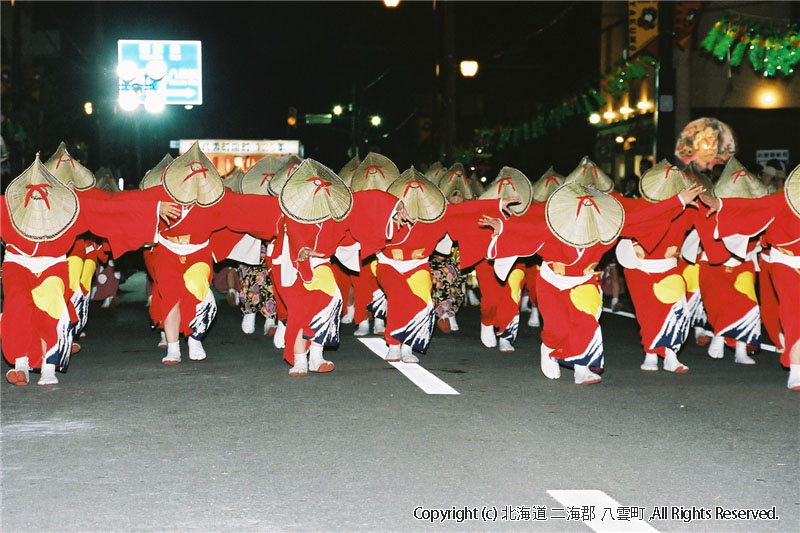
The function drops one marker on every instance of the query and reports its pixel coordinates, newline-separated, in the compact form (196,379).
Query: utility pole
(449,104)
(665,83)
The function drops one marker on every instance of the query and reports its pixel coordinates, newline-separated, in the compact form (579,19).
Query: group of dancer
(316,248)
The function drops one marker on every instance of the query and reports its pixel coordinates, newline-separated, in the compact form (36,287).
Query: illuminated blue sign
(159,73)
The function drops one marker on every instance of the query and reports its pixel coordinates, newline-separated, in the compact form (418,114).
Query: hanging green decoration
(738,52)
(709,43)
(770,48)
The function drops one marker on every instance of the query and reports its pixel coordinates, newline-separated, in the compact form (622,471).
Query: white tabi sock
(300,367)
(196,351)
(550,368)
(741,355)
(716,348)
(794,377)
(650,362)
(173,353)
(316,363)
(48,376)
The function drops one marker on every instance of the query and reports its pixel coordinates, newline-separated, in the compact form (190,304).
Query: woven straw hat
(376,172)
(347,171)
(663,181)
(546,185)
(192,178)
(256,179)
(455,179)
(582,216)
(587,173)
(40,207)
(434,172)
(155,176)
(105,180)
(423,200)
(314,193)
(700,178)
(275,184)
(510,182)
(233,180)
(736,182)
(792,190)
(67,170)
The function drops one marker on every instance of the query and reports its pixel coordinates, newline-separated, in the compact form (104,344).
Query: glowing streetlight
(391,3)
(154,102)
(594,118)
(609,115)
(128,101)
(375,120)
(625,110)
(469,68)
(88,108)
(127,71)
(337,110)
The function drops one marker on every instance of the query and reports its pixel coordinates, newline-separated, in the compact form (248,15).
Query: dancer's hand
(491,222)
(689,194)
(306,252)
(714,204)
(505,202)
(168,211)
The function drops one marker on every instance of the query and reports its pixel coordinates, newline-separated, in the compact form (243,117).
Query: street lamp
(88,108)
(337,110)
(375,120)
(469,68)
(391,3)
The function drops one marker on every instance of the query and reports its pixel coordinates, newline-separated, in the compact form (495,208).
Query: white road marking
(601,501)
(767,347)
(418,375)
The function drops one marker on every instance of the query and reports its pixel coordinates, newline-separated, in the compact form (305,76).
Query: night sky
(260,58)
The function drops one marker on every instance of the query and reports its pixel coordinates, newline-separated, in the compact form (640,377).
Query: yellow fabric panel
(89,266)
(691,275)
(586,298)
(196,280)
(514,283)
(746,284)
(670,289)
(75,265)
(420,283)
(323,281)
(49,297)
(373,266)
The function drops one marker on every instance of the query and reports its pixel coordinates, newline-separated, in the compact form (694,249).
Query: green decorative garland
(616,83)
(770,49)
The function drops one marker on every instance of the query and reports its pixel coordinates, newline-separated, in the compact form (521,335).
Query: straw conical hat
(663,181)
(314,193)
(346,174)
(155,176)
(423,200)
(67,170)
(275,184)
(233,180)
(546,185)
(736,182)
(376,172)
(40,207)
(791,189)
(582,216)
(699,177)
(587,173)
(455,179)
(192,178)
(435,171)
(510,182)
(105,180)
(256,179)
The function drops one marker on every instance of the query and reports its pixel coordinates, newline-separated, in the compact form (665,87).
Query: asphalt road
(233,443)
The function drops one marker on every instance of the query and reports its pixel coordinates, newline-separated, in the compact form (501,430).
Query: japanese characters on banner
(642,25)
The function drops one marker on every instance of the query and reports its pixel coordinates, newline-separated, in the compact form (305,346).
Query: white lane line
(418,375)
(600,502)
(767,347)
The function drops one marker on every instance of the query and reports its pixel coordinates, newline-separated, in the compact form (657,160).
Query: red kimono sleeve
(649,223)
(461,222)
(255,214)
(370,220)
(715,250)
(127,222)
